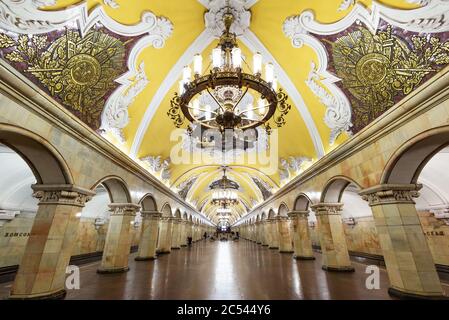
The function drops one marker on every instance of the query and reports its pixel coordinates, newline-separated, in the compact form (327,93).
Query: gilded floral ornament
(78,71)
(379,69)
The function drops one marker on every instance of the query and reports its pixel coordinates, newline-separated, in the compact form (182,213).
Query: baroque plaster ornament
(165,170)
(284,174)
(115,115)
(338,110)
(154,162)
(295,163)
(345,4)
(213,18)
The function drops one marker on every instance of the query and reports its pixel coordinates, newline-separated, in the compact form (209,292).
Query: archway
(416,178)
(31,163)
(299,228)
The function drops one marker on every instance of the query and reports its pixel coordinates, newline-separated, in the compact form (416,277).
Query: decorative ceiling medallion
(79,72)
(380,69)
(213,18)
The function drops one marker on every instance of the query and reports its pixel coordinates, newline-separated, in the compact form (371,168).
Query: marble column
(259,232)
(183,236)
(408,259)
(332,237)
(118,238)
(283,231)
(176,229)
(274,235)
(165,235)
(42,271)
(266,238)
(302,243)
(148,235)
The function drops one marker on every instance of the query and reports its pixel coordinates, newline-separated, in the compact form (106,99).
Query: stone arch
(407,162)
(283,210)
(166,210)
(148,203)
(264,216)
(335,187)
(191,218)
(271,214)
(302,203)
(46,163)
(117,189)
(185,216)
(178,214)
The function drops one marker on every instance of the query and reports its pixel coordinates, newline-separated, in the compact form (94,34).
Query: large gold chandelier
(236,100)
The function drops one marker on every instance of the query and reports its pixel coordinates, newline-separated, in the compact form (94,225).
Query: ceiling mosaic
(115,64)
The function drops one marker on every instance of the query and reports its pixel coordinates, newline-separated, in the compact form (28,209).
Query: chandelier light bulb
(186,74)
(274,84)
(197,64)
(257,63)
(250,112)
(196,107)
(181,87)
(236,58)
(269,72)
(216,58)
(208,113)
(261,108)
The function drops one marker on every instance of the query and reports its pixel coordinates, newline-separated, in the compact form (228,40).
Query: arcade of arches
(93,173)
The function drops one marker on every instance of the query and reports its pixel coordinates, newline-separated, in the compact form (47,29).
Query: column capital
(124,209)
(298,213)
(151,214)
(62,194)
(391,193)
(324,208)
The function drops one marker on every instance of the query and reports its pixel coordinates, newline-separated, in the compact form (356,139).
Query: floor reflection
(225,270)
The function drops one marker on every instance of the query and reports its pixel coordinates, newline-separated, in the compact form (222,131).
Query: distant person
(189,241)
(205,235)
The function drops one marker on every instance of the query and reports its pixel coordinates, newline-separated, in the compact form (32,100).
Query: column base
(58,295)
(175,248)
(258,242)
(338,269)
(145,258)
(109,271)
(303,257)
(285,251)
(183,245)
(164,252)
(404,295)
(273,248)
(265,245)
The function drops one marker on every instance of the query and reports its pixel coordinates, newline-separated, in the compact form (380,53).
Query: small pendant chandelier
(238,100)
(224,191)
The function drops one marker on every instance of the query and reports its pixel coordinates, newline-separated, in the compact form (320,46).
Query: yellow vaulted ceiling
(187,16)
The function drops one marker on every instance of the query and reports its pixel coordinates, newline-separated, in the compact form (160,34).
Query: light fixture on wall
(238,100)
(7,215)
(350,221)
(98,223)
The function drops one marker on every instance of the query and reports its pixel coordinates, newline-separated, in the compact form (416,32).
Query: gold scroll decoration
(379,69)
(79,71)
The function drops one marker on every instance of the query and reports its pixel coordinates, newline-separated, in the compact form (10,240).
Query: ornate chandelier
(224,193)
(228,97)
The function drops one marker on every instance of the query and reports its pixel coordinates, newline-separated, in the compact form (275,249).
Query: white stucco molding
(433,17)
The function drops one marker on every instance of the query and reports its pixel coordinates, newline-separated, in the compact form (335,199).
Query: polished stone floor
(225,270)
